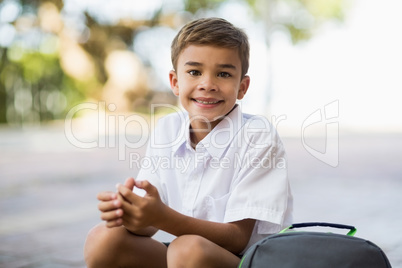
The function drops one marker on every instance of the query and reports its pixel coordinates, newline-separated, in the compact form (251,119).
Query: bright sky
(358,64)
(355,68)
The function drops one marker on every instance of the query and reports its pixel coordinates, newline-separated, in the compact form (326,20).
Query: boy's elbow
(237,243)
(241,236)
(237,246)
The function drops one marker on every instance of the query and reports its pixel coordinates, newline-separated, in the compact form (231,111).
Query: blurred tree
(195,6)
(300,18)
(33,85)
(48,64)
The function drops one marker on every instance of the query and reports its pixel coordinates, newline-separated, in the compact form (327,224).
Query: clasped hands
(125,208)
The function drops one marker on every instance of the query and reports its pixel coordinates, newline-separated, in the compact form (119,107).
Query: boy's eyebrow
(227,66)
(224,66)
(193,63)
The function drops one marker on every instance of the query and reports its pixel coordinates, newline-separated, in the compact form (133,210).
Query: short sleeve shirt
(238,171)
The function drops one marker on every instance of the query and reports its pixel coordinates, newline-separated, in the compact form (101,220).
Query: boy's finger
(105,206)
(128,194)
(114,223)
(129,183)
(111,215)
(147,186)
(106,196)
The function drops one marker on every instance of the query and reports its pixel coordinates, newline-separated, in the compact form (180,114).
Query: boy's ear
(244,84)
(174,82)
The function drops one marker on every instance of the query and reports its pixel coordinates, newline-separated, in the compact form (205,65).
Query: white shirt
(237,171)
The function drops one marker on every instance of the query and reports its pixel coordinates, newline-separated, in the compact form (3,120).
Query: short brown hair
(214,32)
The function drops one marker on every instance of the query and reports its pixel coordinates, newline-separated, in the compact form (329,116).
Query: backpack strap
(352,229)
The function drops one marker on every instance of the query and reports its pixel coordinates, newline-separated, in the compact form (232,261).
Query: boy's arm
(140,212)
(147,231)
(232,236)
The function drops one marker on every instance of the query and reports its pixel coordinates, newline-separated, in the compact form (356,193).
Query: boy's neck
(199,130)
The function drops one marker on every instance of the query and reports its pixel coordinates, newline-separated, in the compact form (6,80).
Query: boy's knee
(95,235)
(187,250)
(93,243)
(98,245)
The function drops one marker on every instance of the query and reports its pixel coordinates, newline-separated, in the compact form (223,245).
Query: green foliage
(300,18)
(324,10)
(34,86)
(194,6)
(43,83)
(37,66)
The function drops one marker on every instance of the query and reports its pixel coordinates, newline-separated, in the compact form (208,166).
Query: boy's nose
(208,84)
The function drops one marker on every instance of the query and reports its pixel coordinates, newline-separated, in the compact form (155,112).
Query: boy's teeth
(206,102)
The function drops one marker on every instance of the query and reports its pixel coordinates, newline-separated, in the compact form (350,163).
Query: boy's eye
(194,73)
(224,74)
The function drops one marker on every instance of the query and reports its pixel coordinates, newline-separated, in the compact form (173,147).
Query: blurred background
(80,82)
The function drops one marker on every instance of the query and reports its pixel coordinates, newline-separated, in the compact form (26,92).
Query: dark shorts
(168,243)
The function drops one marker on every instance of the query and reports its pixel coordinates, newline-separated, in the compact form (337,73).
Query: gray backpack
(314,250)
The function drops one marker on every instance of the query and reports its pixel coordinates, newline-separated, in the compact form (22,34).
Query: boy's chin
(206,121)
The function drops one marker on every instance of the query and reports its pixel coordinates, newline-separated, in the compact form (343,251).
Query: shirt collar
(220,138)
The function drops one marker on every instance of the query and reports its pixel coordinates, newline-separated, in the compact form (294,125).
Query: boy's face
(208,81)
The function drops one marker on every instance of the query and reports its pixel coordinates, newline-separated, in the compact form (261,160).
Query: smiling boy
(208,89)
(227,197)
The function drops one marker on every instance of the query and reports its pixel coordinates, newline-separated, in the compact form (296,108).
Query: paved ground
(48,189)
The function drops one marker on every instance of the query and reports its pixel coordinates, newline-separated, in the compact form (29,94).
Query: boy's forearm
(147,231)
(231,236)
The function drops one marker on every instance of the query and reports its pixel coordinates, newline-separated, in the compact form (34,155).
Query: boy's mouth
(207,101)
